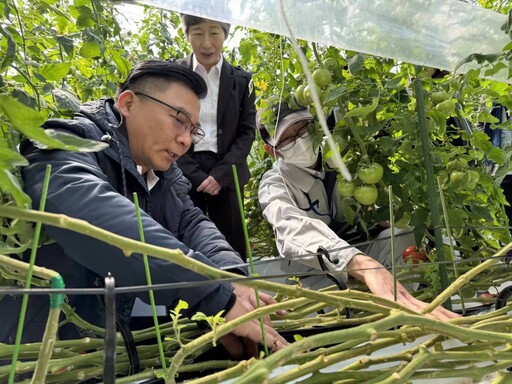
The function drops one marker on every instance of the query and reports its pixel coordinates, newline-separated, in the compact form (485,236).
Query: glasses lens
(287,144)
(197,135)
(306,130)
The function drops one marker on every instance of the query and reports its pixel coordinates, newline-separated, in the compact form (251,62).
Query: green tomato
(299,95)
(346,188)
(456,176)
(447,107)
(439,97)
(372,174)
(308,97)
(330,63)
(403,221)
(474,176)
(366,194)
(322,77)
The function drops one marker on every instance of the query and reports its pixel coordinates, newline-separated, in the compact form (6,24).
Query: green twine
(249,253)
(28,282)
(148,279)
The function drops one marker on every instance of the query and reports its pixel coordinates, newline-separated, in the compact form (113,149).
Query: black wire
(190,284)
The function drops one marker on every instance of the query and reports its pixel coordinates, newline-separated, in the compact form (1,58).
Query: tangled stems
(379,319)
(367,333)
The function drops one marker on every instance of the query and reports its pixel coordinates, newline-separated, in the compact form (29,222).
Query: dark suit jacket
(236,124)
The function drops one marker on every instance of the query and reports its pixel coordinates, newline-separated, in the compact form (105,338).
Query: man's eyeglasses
(182,121)
(305,131)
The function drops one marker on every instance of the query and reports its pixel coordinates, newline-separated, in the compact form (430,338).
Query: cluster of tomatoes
(363,189)
(322,78)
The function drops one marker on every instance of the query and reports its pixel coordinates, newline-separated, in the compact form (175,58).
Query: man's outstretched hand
(244,340)
(380,282)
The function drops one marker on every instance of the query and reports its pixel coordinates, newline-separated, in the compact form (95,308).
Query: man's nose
(184,138)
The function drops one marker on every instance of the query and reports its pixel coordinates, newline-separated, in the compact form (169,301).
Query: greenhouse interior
(157,228)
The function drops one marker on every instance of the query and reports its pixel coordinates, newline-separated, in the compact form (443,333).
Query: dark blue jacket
(90,186)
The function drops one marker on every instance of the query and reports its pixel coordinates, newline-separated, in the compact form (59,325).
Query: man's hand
(245,338)
(210,186)
(380,282)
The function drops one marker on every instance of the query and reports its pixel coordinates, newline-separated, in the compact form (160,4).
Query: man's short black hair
(161,74)
(189,21)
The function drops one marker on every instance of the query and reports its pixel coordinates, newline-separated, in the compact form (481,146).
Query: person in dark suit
(228,117)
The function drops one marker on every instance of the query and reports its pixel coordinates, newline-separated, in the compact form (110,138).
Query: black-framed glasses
(182,121)
(304,131)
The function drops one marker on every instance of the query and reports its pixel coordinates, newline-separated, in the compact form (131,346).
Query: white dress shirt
(208,112)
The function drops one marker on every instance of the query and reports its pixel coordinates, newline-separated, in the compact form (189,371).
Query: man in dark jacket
(152,123)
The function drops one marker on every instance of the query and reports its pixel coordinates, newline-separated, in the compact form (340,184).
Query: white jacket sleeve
(297,233)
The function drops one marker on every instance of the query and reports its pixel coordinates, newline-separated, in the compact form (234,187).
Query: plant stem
(150,283)
(426,146)
(24,303)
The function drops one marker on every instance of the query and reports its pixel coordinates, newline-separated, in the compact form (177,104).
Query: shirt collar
(196,64)
(151,177)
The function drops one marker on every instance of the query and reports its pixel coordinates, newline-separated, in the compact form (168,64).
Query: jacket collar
(226,88)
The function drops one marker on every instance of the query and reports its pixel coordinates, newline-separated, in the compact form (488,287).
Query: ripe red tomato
(415,254)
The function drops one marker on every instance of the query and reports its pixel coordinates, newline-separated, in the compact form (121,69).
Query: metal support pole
(109,350)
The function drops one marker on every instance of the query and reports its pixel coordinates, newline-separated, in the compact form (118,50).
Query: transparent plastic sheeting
(433,33)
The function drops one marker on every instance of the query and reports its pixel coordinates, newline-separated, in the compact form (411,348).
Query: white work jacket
(294,201)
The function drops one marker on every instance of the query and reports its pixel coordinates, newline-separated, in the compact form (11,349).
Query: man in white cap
(303,214)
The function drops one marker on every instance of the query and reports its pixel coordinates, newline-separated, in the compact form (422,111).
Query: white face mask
(302,154)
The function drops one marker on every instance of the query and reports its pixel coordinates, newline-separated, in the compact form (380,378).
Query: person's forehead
(207,24)
(181,97)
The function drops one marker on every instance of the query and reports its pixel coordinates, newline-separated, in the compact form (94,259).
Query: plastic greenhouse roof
(433,33)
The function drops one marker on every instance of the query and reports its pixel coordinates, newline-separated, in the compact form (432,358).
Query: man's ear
(125,102)
(269,149)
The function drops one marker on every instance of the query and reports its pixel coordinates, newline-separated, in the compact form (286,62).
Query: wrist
(361,265)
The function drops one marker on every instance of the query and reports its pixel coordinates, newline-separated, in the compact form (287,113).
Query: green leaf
(84,21)
(486,117)
(10,185)
(394,83)
(70,142)
(362,111)
(67,44)
(90,50)
(11,50)
(349,209)
(66,100)
(356,64)
(21,117)
(10,159)
(122,64)
(55,72)
(386,143)
(28,121)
